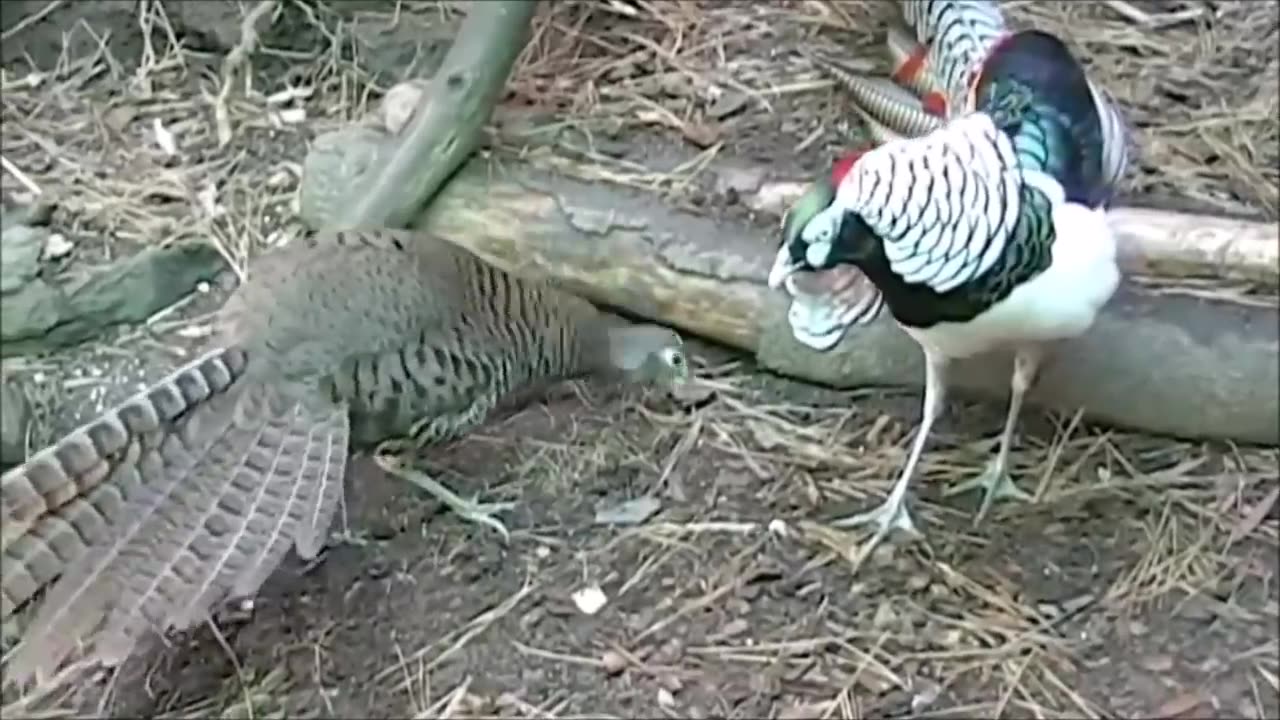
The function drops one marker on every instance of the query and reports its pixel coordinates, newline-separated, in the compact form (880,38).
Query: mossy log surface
(1163,363)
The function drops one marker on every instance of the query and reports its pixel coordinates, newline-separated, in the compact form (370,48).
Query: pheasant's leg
(470,510)
(995,480)
(893,513)
(346,536)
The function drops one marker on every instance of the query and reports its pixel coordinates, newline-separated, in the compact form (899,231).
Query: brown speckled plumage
(191,492)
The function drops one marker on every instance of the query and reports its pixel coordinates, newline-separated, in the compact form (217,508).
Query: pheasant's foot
(470,510)
(237,611)
(482,512)
(347,536)
(891,515)
(996,485)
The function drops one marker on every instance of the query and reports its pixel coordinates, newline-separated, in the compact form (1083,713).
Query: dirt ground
(1143,583)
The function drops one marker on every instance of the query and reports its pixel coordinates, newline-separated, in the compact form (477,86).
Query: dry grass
(1197,80)
(1005,618)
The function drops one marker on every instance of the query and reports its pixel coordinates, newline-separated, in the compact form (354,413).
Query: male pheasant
(936,49)
(989,232)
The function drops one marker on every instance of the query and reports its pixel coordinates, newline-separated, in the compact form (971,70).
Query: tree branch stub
(449,122)
(1164,363)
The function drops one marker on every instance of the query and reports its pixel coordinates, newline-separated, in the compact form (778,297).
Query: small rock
(665,698)
(727,104)
(739,180)
(590,599)
(918,582)
(885,616)
(614,662)
(57,246)
(874,682)
(670,652)
(400,104)
(671,682)
(926,694)
(702,135)
(119,117)
(774,198)
(734,627)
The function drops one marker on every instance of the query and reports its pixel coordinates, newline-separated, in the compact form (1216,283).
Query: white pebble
(590,599)
(57,246)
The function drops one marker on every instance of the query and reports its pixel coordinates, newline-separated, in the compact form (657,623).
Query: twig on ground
(234,61)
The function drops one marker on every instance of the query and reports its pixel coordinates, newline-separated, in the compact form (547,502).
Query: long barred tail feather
(66,497)
(959,35)
(212,499)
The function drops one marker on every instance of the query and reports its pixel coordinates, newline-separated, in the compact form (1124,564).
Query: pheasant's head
(810,228)
(649,354)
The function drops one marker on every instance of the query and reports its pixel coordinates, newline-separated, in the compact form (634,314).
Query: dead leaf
(119,117)
(702,135)
(1254,517)
(1182,704)
(727,104)
(164,138)
(630,512)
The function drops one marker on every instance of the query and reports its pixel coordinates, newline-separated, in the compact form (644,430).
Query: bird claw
(483,513)
(889,516)
(995,484)
(470,510)
(347,536)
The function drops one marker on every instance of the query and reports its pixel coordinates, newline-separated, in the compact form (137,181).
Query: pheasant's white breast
(1060,303)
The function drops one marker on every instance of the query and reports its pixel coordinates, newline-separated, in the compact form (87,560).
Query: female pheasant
(989,232)
(193,491)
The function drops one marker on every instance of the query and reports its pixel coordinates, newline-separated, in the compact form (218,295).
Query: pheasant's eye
(677,360)
(816,254)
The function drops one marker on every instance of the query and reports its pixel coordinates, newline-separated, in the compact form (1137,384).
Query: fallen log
(1164,363)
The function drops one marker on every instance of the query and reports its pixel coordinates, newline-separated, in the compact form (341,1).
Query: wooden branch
(1162,363)
(1152,242)
(449,123)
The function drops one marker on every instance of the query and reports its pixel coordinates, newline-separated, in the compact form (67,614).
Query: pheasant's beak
(818,196)
(783,268)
